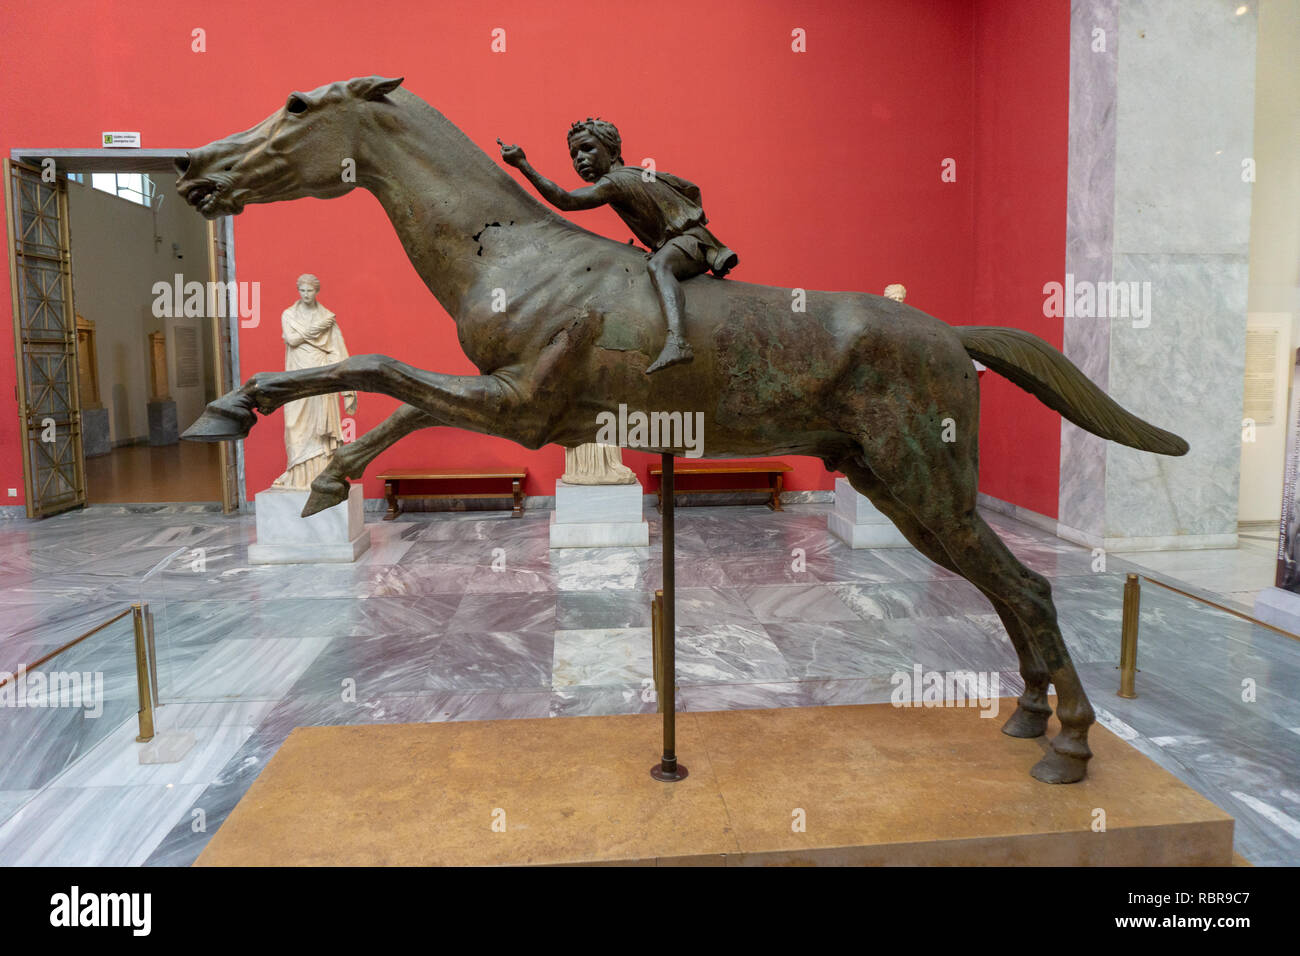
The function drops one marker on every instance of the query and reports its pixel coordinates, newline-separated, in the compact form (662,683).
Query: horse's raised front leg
(496,404)
(350,460)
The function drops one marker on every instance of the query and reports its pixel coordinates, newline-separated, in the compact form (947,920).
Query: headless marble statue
(593,464)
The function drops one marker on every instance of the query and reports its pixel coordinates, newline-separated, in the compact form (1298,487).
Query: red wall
(821,169)
(1021,114)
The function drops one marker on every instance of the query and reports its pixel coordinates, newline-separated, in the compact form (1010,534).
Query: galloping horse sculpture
(860,381)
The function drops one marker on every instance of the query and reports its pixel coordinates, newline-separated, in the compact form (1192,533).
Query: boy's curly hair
(605,132)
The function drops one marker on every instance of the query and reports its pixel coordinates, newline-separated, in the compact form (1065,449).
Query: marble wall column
(1161,119)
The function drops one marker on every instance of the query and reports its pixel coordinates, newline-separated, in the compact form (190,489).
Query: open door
(45,340)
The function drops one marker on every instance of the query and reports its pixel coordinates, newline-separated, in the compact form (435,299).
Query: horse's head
(299,150)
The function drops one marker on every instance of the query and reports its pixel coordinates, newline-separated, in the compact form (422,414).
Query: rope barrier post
(1128,647)
(145,715)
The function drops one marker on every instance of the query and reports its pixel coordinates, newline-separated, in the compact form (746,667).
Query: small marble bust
(896,291)
(593,464)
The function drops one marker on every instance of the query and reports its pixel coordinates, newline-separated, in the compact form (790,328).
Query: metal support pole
(1128,647)
(142,674)
(668,769)
(656,650)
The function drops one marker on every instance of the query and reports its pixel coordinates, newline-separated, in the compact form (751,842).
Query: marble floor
(471,616)
(1238,574)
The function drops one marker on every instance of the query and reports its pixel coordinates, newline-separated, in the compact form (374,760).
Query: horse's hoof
(325,494)
(1056,767)
(1026,723)
(221,423)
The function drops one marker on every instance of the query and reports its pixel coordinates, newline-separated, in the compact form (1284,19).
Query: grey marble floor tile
(813,544)
(741,696)
(696,572)
(12,800)
(704,607)
(181,843)
(487,580)
(102,826)
(48,624)
(576,610)
(497,660)
(352,671)
(586,700)
(312,710)
(193,715)
(728,652)
(116,761)
(204,622)
(485,705)
(245,669)
(883,566)
(597,569)
(974,642)
(512,611)
(414,580)
(36,745)
(768,568)
(940,597)
(488,528)
(70,587)
(513,552)
(601,657)
(826,649)
(389,542)
(782,604)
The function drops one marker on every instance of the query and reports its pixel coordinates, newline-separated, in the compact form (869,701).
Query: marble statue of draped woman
(312,426)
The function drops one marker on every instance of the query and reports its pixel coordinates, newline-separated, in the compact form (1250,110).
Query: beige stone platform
(877,784)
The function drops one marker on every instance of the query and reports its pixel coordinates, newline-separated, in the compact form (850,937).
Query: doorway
(114,360)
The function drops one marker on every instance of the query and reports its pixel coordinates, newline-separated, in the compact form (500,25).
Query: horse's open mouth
(207,197)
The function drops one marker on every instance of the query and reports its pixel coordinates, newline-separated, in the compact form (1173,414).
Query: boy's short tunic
(665,210)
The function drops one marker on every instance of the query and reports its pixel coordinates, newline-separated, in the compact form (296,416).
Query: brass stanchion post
(668,769)
(138,612)
(1128,647)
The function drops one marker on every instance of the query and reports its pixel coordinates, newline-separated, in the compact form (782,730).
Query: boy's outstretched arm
(588,197)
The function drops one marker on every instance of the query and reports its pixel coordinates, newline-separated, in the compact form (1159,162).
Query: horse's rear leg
(938,488)
(1032,708)
(331,486)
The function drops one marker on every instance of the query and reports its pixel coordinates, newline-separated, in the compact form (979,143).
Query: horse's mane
(483,169)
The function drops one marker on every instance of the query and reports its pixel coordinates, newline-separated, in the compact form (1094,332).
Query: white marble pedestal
(598,516)
(858,523)
(335,535)
(1279,607)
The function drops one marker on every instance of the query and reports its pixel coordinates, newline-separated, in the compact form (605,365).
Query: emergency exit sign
(122,140)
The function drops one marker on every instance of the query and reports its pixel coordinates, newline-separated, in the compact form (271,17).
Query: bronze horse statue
(878,390)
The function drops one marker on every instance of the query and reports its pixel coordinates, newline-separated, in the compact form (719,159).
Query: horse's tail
(1055,381)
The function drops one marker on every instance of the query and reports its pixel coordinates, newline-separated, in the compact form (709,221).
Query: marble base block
(162,423)
(96,439)
(166,747)
(1279,607)
(334,535)
(598,516)
(858,523)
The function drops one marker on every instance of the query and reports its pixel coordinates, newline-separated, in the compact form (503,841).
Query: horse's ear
(372,87)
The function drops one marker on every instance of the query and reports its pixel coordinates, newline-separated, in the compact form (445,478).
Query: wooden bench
(775,471)
(396,479)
